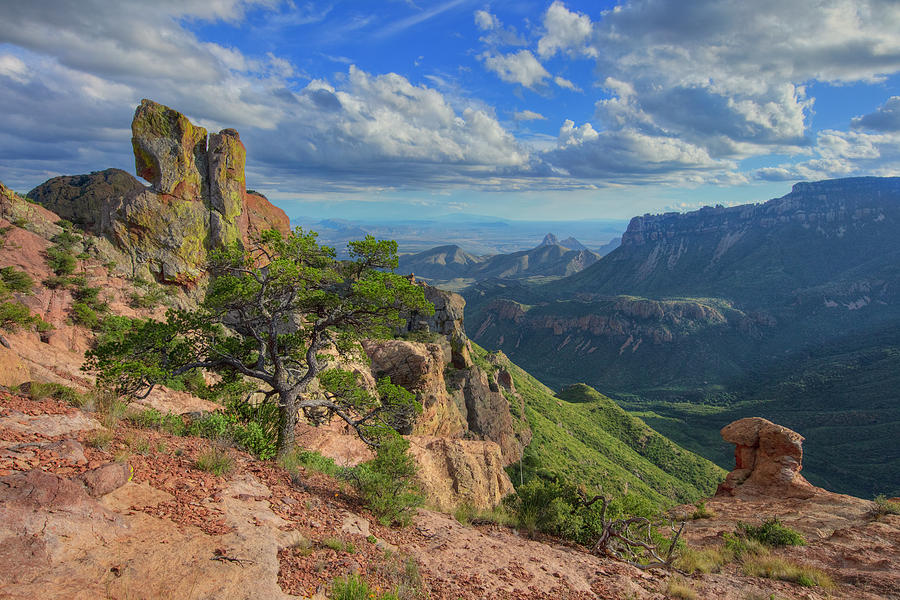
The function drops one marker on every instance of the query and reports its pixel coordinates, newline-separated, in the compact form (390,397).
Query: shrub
(60,261)
(338,545)
(100,439)
(215,460)
(15,280)
(83,314)
(388,483)
(154,419)
(14,315)
(742,547)
(772,533)
(883,506)
(702,512)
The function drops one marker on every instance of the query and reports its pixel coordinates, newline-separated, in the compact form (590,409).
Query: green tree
(270,313)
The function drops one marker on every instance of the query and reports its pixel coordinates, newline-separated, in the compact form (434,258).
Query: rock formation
(197,200)
(447,321)
(768,459)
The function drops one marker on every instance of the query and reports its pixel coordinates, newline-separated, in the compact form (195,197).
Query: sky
(523,109)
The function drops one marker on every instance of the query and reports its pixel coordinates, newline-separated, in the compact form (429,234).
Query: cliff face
(197,200)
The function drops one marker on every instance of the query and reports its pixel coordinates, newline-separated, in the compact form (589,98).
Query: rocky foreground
(137,519)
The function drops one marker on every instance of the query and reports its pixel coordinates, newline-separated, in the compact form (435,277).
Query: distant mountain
(709,307)
(609,247)
(451,262)
(570,242)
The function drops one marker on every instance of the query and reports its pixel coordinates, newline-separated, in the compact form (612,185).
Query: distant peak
(550,240)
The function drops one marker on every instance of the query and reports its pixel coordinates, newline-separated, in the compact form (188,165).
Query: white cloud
(565,31)
(521,67)
(529,115)
(565,83)
(14,68)
(842,154)
(485,21)
(885,118)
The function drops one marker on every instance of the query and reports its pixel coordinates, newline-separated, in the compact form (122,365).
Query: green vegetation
(387,483)
(772,533)
(340,300)
(215,460)
(14,314)
(705,560)
(581,435)
(308,459)
(702,512)
(883,506)
(678,587)
(352,587)
(338,545)
(40,391)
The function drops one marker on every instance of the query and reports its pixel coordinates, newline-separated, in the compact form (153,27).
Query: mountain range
(789,309)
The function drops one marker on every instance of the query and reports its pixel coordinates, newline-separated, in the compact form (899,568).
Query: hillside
(583,436)
(706,316)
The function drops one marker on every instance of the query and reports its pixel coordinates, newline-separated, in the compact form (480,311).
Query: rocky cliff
(197,200)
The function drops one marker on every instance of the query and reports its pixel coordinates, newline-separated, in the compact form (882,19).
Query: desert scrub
(678,587)
(215,460)
(467,514)
(352,587)
(703,560)
(100,439)
(702,512)
(772,533)
(777,567)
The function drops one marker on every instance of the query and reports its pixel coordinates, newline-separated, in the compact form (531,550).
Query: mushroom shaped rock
(768,459)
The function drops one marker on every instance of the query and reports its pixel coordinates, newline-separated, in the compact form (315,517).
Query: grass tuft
(215,460)
(777,567)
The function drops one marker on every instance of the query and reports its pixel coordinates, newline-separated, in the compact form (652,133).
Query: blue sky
(526,109)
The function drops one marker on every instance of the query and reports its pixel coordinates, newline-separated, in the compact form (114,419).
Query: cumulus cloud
(565,31)
(520,67)
(485,21)
(886,118)
(628,155)
(14,68)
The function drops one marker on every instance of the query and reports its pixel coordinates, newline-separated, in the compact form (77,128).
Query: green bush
(256,435)
(84,314)
(14,315)
(772,533)
(61,261)
(352,587)
(15,280)
(387,484)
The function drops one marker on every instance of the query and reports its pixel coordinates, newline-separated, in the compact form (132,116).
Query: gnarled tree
(269,313)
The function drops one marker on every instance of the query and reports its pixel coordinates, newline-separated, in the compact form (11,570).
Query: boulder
(455,472)
(447,321)
(768,459)
(86,200)
(106,478)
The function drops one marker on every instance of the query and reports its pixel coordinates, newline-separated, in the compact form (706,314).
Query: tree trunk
(287,423)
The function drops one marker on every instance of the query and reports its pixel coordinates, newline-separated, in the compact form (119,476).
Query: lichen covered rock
(197,201)
(169,151)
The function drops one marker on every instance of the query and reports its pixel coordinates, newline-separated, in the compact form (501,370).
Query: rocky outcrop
(447,321)
(768,459)
(197,200)
(459,403)
(456,472)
